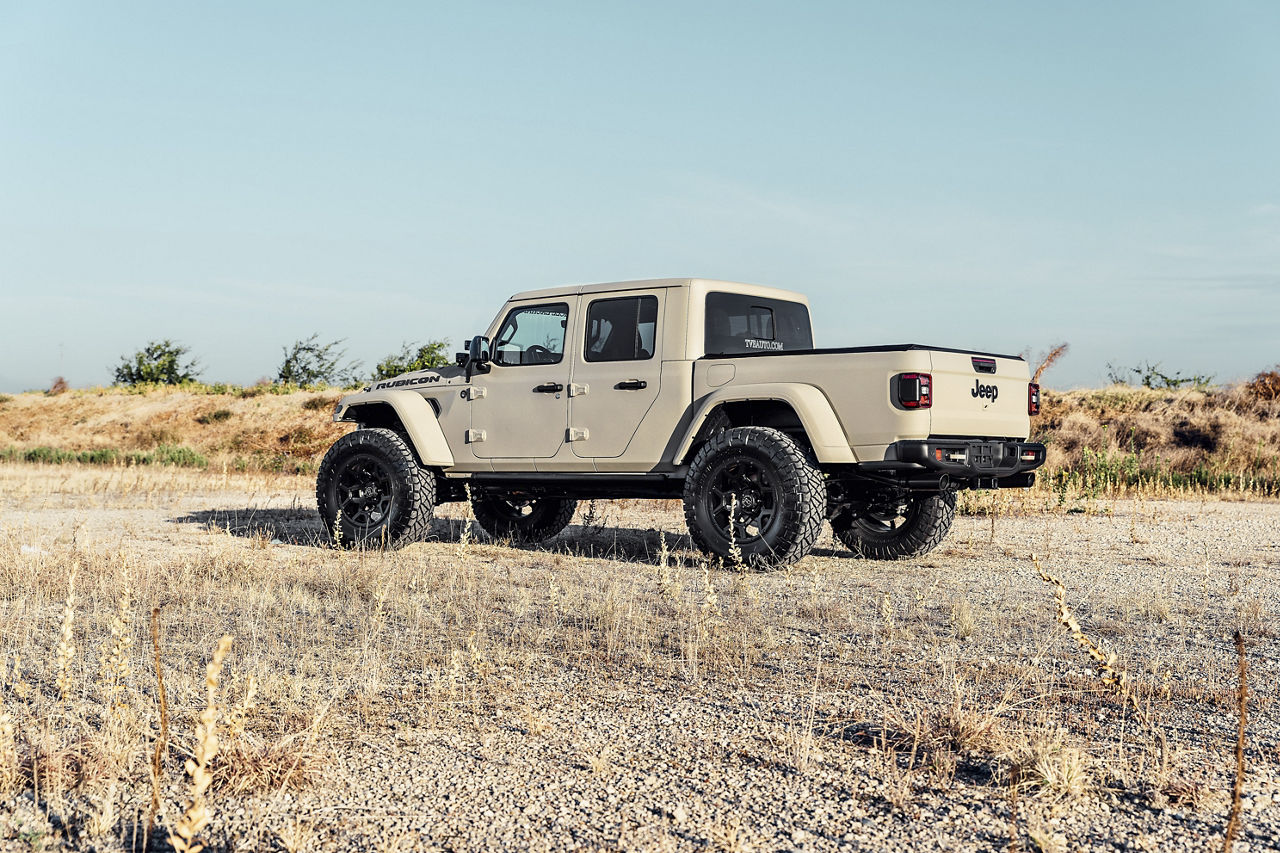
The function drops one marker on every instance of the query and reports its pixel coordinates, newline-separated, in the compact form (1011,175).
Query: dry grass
(908,669)
(269,432)
(1175,443)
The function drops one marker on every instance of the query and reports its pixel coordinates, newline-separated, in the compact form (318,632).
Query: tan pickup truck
(708,391)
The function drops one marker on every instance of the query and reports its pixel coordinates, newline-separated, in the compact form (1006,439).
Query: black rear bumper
(967,462)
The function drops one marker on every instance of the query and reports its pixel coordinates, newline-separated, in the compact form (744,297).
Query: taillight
(915,390)
(1033,398)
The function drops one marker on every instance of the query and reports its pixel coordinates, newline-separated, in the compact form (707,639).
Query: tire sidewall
(762,546)
(800,506)
(547,517)
(411,501)
(928,522)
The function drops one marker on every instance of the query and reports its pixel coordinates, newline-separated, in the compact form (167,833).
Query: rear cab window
(738,324)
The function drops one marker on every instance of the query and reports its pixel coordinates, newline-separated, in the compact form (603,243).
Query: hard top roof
(700,284)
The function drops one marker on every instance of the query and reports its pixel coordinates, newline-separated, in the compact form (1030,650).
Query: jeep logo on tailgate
(980,391)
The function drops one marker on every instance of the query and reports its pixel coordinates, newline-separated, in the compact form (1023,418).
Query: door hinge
(475,436)
(576,390)
(576,434)
(474,392)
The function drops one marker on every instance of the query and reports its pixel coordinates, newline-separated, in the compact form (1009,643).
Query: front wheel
(371,492)
(892,527)
(525,521)
(753,494)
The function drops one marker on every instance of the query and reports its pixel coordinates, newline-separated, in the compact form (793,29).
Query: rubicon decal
(401,383)
(989,392)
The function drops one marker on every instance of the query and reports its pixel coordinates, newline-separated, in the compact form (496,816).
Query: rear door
(979,396)
(617,371)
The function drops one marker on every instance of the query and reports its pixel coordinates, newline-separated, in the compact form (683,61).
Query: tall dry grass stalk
(162,739)
(8,752)
(1104,662)
(66,650)
(1053,355)
(114,656)
(197,815)
(1242,706)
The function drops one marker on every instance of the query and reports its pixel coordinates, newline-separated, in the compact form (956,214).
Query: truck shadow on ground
(302,527)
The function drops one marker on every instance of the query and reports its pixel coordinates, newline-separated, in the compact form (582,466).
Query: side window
(621,329)
(532,335)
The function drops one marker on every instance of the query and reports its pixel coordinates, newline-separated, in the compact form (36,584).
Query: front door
(617,377)
(520,408)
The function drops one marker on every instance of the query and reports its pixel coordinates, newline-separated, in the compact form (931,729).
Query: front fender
(818,418)
(416,417)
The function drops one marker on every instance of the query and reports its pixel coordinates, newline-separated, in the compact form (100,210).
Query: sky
(999,176)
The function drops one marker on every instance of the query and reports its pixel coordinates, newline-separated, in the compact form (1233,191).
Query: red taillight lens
(1033,398)
(915,390)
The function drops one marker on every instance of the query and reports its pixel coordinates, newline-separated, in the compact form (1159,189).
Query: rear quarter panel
(860,388)
(857,385)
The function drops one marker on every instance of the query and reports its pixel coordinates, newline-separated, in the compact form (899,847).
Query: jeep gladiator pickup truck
(707,391)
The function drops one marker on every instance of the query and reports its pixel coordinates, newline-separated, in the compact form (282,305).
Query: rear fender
(817,417)
(409,413)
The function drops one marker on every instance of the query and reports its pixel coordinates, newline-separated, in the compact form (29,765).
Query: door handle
(548,388)
(632,385)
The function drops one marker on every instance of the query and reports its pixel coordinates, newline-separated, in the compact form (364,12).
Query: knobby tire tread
(413,522)
(549,517)
(926,532)
(803,486)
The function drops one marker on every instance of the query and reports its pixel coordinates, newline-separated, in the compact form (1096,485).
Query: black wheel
(756,488)
(525,521)
(371,492)
(894,526)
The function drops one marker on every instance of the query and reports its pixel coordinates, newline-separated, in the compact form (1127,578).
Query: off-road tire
(776,490)
(925,525)
(523,522)
(371,492)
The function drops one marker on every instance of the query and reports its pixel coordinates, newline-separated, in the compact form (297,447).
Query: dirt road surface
(611,690)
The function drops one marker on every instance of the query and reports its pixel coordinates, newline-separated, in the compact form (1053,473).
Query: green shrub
(158,363)
(1150,376)
(214,417)
(310,362)
(165,454)
(430,354)
(182,457)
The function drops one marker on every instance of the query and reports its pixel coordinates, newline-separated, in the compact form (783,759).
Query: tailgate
(983,396)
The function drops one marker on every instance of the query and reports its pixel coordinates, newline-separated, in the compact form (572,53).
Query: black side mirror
(477,356)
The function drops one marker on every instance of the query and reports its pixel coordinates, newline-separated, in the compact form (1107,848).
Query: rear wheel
(894,526)
(371,492)
(755,491)
(525,521)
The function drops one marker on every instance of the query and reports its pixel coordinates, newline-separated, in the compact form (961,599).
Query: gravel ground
(842,705)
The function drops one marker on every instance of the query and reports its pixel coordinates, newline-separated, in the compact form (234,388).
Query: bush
(59,386)
(310,362)
(430,354)
(1150,376)
(1265,386)
(159,363)
(216,416)
(165,454)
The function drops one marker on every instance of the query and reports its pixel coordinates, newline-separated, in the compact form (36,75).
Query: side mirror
(477,356)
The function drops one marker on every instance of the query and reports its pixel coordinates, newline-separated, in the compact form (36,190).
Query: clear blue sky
(993,175)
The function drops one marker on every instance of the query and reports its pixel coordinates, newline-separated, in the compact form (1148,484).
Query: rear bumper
(978,464)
